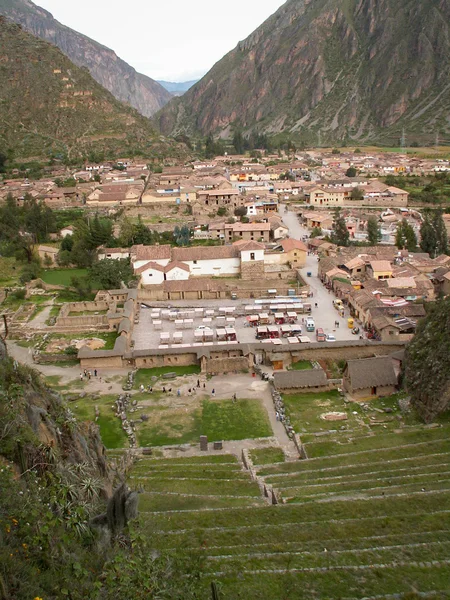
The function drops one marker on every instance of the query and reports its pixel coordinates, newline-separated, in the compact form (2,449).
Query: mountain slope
(353,69)
(177,88)
(50,107)
(141,92)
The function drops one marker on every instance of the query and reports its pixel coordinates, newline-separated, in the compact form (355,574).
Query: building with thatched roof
(370,377)
(297,382)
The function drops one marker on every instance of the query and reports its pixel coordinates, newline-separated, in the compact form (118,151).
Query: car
(330,337)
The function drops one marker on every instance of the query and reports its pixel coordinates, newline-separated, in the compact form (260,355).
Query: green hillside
(50,107)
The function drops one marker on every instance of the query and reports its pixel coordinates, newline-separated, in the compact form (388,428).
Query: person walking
(95,372)
(213,393)
(234,398)
(198,383)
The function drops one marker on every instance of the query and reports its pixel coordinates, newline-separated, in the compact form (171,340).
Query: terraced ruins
(366,519)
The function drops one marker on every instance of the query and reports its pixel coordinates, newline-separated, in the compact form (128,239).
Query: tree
(239,142)
(222,211)
(373,231)
(428,239)
(441,233)
(67,243)
(340,234)
(111,273)
(427,363)
(240,211)
(316,232)
(357,194)
(351,172)
(82,286)
(405,237)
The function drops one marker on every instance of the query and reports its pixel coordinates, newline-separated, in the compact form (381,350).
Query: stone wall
(252,270)
(166,360)
(226,365)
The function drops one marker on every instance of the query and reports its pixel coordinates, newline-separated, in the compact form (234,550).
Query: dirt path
(106,382)
(39,321)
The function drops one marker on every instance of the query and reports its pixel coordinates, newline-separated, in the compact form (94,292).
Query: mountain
(110,71)
(177,88)
(353,70)
(50,107)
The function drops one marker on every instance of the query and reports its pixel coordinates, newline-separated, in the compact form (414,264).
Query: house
(141,255)
(326,196)
(294,382)
(152,273)
(277,228)
(368,377)
(247,231)
(380,269)
(48,255)
(318,220)
(113,253)
(295,252)
(219,198)
(67,231)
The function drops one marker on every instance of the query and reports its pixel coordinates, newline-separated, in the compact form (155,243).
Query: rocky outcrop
(360,70)
(114,74)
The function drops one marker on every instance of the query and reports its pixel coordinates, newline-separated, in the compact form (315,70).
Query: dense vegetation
(427,370)
(430,189)
(53,482)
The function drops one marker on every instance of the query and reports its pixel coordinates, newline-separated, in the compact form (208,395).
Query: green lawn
(62,276)
(301,365)
(305,411)
(218,419)
(267,456)
(143,376)
(110,428)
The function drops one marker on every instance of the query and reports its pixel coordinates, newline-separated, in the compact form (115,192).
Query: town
(238,316)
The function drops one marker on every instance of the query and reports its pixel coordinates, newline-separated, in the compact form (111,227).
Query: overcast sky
(173,40)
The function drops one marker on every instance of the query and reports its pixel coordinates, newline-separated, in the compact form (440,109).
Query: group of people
(88,375)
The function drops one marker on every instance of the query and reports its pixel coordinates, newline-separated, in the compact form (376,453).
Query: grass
(108,336)
(110,429)
(64,277)
(267,456)
(10,271)
(301,365)
(220,420)
(305,410)
(143,376)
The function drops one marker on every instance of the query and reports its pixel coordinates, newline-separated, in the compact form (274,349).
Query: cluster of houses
(230,182)
(385,289)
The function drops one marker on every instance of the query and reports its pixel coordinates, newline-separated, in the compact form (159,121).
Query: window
(252,256)
(195,262)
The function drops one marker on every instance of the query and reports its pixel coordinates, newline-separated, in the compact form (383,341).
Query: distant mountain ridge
(122,80)
(331,71)
(50,108)
(178,88)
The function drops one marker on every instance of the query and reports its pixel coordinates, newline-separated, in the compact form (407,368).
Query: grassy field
(218,419)
(301,365)
(111,431)
(10,271)
(267,456)
(144,376)
(64,277)
(108,336)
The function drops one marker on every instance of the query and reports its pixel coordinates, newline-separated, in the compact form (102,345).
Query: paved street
(325,315)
